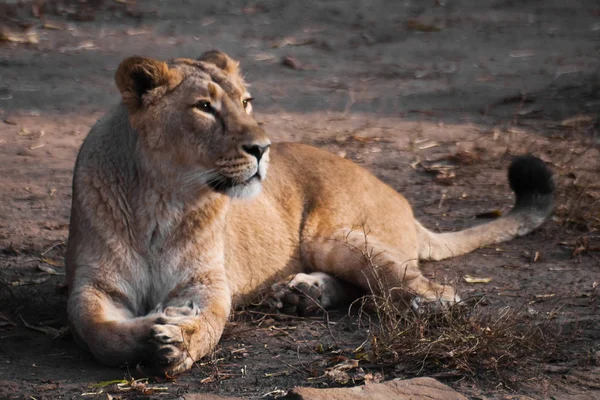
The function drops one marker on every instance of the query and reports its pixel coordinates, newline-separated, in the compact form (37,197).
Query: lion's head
(195,117)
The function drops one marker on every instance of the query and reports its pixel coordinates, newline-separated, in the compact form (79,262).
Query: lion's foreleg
(191,323)
(103,321)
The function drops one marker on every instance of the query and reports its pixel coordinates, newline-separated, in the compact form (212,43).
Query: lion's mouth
(222,184)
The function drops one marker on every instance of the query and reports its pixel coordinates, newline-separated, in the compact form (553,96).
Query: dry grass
(461,340)
(464,340)
(579,203)
(575,153)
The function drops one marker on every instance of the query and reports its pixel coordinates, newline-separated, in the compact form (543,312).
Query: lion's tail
(532,182)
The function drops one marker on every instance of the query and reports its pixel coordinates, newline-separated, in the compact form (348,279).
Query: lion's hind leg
(307,294)
(375,267)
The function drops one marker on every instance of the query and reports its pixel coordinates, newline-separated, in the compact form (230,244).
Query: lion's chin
(234,188)
(247,190)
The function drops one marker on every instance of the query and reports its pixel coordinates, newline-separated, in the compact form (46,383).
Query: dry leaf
(578,120)
(49,270)
(473,279)
(28,280)
(445,178)
(415,25)
(103,384)
(6,323)
(529,111)
(373,378)
(365,139)
(207,21)
(85,45)
(47,387)
(489,214)
(36,146)
(291,41)
(140,387)
(340,377)
(428,145)
(25,38)
(33,135)
(264,57)
(339,372)
(136,32)
(360,375)
(280,373)
(532,311)
(52,262)
(544,296)
(291,62)
(446,162)
(464,157)
(48,330)
(346,365)
(436,165)
(363,356)
(52,26)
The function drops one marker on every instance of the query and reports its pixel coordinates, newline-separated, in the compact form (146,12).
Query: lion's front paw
(167,340)
(190,309)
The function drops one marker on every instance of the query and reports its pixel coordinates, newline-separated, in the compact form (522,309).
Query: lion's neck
(169,204)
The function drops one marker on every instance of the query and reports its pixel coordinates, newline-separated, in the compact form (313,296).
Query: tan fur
(171,228)
(156,72)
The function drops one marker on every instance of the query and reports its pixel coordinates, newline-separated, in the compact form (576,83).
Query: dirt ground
(396,86)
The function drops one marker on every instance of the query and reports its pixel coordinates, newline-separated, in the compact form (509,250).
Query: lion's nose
(256,150)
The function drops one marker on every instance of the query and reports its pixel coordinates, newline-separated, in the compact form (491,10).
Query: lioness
(182,209)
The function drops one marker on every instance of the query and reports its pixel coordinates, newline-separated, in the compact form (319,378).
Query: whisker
(200,177)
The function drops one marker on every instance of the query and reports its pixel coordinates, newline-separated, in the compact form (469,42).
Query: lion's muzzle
(256,150)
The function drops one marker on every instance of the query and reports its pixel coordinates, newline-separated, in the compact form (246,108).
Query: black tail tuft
(531,180)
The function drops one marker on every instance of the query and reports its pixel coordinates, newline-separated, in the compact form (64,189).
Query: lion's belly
(261,246)
(248,279)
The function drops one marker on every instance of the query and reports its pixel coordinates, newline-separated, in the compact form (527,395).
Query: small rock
(291,62)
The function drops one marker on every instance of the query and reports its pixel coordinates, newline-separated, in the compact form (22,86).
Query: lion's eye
(204,105)
(246,102)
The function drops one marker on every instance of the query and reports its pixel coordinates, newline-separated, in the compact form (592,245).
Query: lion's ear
(137,76)
(221,60)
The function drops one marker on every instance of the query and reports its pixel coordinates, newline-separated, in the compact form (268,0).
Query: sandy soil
(391,85)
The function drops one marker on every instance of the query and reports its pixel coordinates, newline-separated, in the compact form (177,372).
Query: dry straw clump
(460,341)
(466,339)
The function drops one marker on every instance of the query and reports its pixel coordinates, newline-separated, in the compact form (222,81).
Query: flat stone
(208,396)
(413,389)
